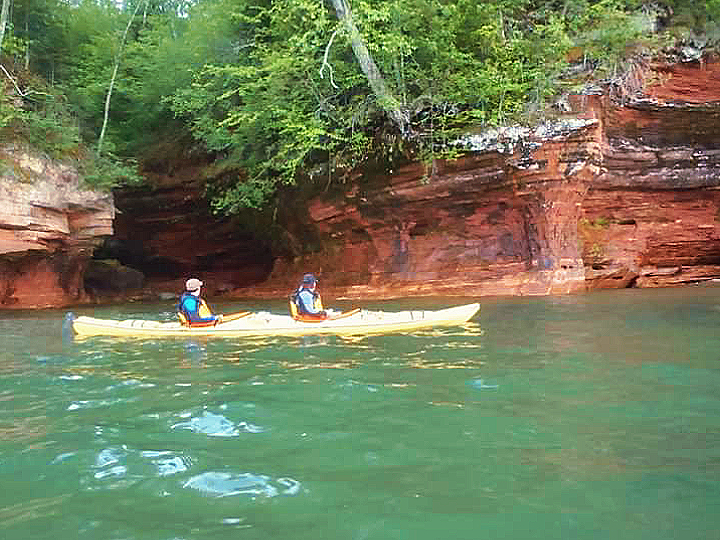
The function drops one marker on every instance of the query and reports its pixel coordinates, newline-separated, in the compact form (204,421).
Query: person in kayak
(192,309)
(306,300)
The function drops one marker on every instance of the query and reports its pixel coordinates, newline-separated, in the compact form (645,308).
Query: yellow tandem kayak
(357,322)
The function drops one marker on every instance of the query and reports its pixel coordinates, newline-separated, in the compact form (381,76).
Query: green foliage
(606,29)
(9,113)
(38,117)
(107,171)
(49,129)
(276,88)
(268,111)
(699,17)
(298,93)
(41,119)
(12,46)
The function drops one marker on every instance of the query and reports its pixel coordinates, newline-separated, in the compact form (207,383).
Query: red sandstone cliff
(49,228)
(621,191)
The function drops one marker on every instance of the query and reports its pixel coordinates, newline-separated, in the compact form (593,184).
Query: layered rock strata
(49,227)
(622,192)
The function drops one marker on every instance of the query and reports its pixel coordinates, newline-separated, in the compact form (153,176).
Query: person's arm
(206,314)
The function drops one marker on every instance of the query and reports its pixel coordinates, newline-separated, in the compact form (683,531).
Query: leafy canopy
(277,90)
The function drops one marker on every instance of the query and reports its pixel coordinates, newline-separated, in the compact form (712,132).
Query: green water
(586,416)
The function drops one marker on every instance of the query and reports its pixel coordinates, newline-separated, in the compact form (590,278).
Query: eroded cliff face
(49,228)
(621,192)
(168,231)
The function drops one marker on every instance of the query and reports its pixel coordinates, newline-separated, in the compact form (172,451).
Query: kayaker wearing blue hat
(192,309)
(306,300)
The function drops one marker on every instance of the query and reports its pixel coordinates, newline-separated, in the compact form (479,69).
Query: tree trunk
(27,44)
(3,19)
(385,97)
(114,75)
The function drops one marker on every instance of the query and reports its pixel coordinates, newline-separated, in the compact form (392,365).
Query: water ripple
(108,463)
(96,403)
(216,425)
(221,484)
(166,463)
(480,384)
(123,466)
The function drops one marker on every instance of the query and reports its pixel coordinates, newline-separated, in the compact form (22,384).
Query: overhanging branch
(325,62)
(384,96)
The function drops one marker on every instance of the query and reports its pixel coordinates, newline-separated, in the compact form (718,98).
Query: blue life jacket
(194,309)
(303,309)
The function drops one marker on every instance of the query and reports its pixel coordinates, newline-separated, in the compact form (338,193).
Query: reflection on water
(216,425)
(219,484)
(584,416)
(194,353)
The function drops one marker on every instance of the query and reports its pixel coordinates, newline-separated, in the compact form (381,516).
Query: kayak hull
(267,324)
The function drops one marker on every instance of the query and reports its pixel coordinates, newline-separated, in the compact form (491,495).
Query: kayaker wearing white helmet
(192,309)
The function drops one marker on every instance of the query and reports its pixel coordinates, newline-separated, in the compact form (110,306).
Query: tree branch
(114,75)
(325,62)
(5,71)
(17,88)
(386,99)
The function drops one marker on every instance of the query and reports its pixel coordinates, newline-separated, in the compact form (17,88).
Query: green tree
(276,90)
(118,57)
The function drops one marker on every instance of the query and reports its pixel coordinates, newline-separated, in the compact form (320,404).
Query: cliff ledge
(49,228)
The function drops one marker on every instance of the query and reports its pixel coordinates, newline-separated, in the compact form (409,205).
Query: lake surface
(593,416)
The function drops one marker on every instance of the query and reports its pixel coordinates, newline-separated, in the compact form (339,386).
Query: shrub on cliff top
(35,113)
